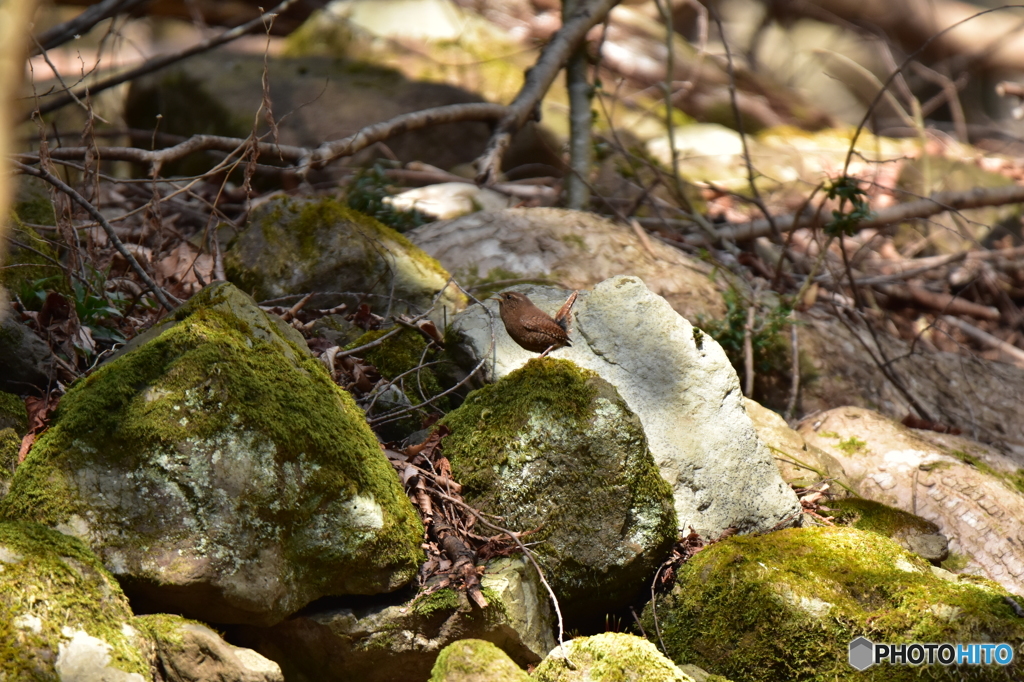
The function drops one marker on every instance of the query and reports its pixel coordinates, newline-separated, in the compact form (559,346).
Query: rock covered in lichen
(474,660)
(553,448)
(786,605)
(62,615)
(296,246)
(608,657)
(187,651)
(219,473)
(402,639)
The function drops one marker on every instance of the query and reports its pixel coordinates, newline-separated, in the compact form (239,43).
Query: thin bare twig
(158,63)
(161,296)
(538,80)
(938,202)
(986,338)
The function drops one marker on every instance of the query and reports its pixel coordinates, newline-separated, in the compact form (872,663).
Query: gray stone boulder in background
(401,641)
(552,449)
(572,249)
(219,473)
(298,246)
(679,383)
(62,615)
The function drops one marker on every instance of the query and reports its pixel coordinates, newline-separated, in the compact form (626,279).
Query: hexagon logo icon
(862,653)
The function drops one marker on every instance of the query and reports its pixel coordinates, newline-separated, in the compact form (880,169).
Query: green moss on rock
(399,354)
(160,427)
(879,518)
(51,586)
(526,447)
(609,657)
(13,414)
(30,259)
(474,660)
(785,605)
(10,444)
(296,246)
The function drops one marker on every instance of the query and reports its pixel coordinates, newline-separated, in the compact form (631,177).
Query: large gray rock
(553,450)
(187,651)
(297,246)
(571,248)
(401,641)
(62,615)
(219,473)
(679,383)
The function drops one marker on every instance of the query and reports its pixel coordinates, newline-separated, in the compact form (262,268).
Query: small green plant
(95,311)
(845,222)
(767,341)
(367,192)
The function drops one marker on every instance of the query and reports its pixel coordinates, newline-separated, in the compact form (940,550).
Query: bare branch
(158,63)
(307,158)
(452,113)
(538,80)
(159,293)
(83,23)
(939,202)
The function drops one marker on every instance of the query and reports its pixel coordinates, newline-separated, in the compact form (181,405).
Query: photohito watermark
(864,653)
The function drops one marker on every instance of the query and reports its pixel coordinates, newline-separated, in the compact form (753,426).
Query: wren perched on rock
(531,327)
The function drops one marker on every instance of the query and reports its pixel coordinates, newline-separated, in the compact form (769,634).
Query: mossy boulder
(474,660)
(608,657)
(786,605)
(400,639)
(62,615)
(553,448)
(219,473)
(13,414)
(295,246)
(914,533)
(188,651)
(675,378)
(30,259)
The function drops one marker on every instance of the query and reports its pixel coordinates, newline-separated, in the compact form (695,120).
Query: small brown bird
(531,327)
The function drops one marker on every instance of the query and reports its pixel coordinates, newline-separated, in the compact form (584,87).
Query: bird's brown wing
(541,326)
